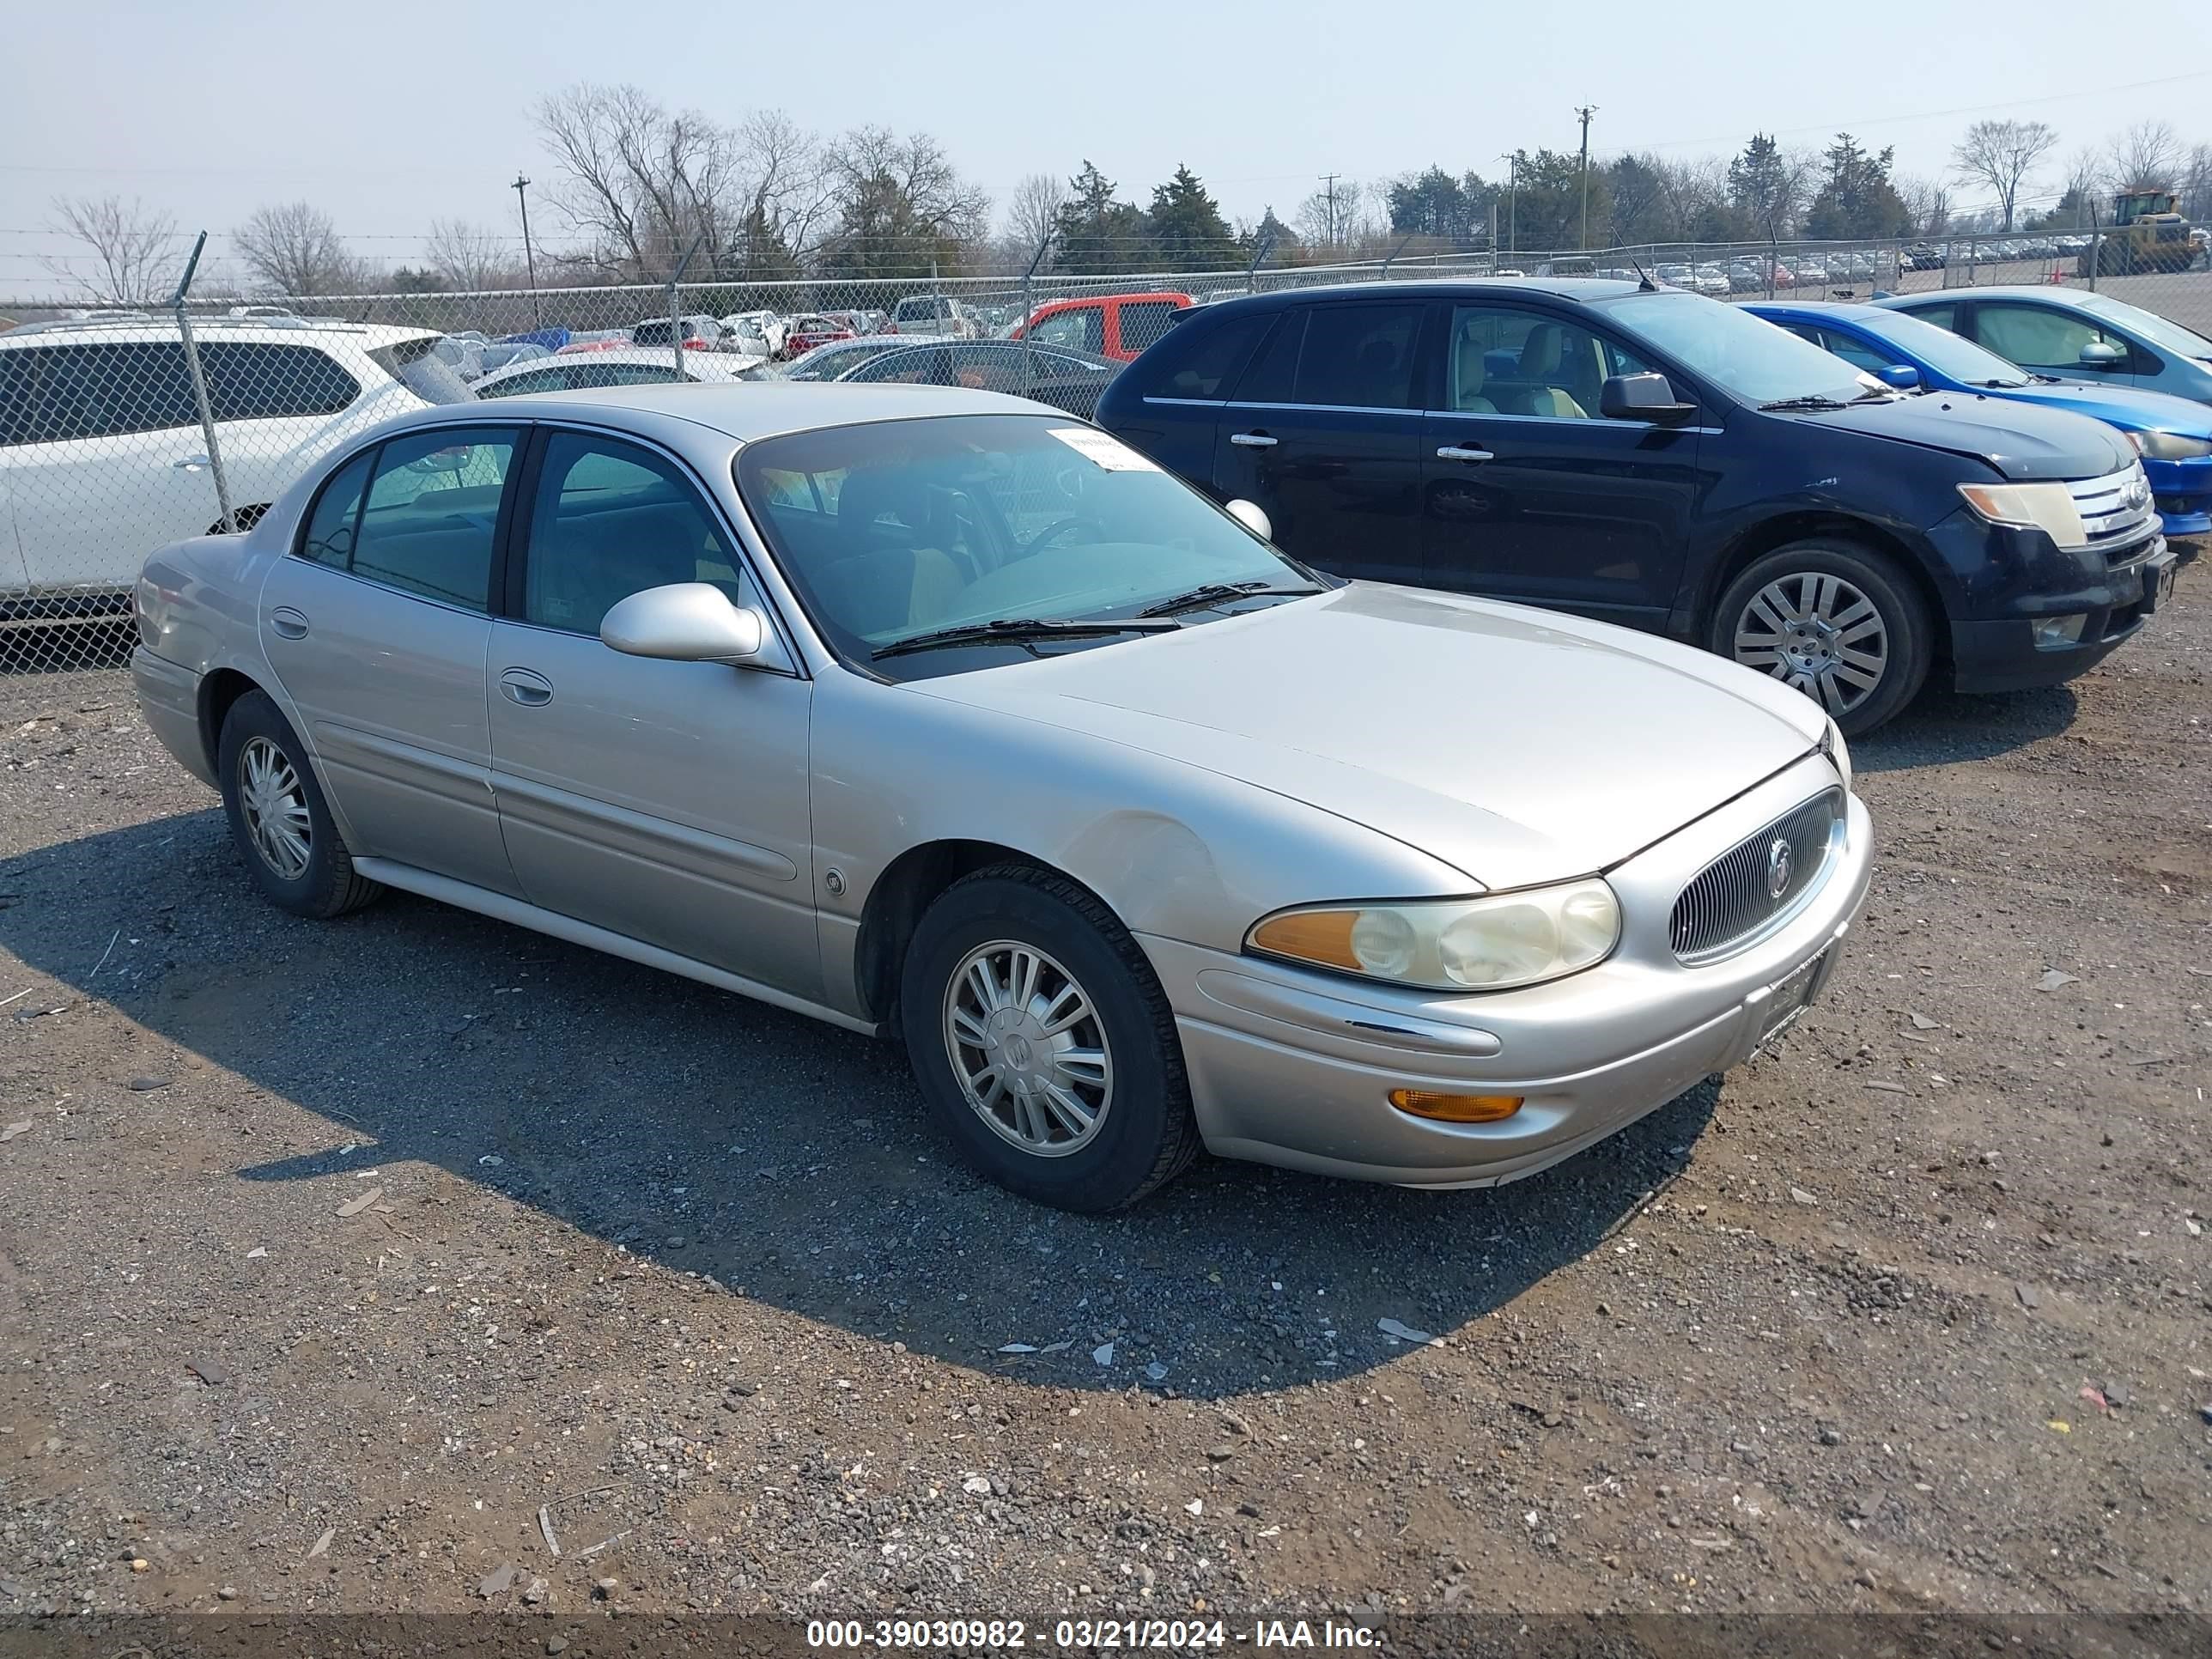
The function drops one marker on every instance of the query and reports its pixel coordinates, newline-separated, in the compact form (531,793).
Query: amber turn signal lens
(1323,936)
(1456,1109)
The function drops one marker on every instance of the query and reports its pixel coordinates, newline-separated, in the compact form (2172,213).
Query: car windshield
(1947,353)
(1744,355)
(890,530)
(2158,330)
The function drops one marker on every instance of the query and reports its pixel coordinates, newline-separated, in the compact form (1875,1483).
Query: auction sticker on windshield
(1109,452)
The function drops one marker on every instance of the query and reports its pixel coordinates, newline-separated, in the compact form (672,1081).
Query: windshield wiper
(1816,401)
(1016,630)
(2009,386)
(1210,593)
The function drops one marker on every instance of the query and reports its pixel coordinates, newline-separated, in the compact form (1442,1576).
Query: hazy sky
(390,115)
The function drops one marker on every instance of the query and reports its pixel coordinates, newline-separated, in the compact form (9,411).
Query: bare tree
(641,182)
(468,256)
(133,255)
(790,188)
(1033,210)
(2147,156)
(901,205)
(2001,154)
(1343,214)
(2197,183)
(293,247)
(1928,201)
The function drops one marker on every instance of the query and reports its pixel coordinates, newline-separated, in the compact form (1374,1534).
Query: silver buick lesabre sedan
(932,712)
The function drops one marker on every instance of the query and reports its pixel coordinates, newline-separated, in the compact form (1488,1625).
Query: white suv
(928,314)
(102,457)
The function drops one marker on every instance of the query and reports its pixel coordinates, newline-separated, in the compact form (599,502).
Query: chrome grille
(1732,900)
(2116,510)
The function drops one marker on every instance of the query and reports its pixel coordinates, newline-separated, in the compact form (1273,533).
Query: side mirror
(1903,376)
(2102,353)
(1248,514)
(1641,397)
(684,622)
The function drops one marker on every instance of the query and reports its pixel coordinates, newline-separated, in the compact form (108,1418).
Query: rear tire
(279,818)
(1041,1039)
(1833,619)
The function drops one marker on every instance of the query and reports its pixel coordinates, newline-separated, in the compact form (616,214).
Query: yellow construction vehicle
(2146,235)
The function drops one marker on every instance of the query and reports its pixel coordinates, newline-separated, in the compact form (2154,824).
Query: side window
(1270,378)
(426,525)
(108,390)
(611,520)
(1205,363)
(2035,336)
(524,385)
(1504,360)
(251,382)
(1144,321)
(1358,356)
(1942,316)
(1081,329)
(16,379)
(329,535)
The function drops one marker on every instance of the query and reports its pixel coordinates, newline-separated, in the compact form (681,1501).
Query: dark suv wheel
(1837,620)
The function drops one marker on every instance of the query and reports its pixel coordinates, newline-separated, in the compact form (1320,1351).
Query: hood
(2123,407)
(1516,745)
(2018,443)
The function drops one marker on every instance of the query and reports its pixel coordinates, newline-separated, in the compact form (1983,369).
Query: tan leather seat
(1467,376)
(1543,360)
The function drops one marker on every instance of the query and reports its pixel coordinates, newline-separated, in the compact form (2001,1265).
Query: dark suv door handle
(1251,440)
(531,690)
(1455,452)
(292,624)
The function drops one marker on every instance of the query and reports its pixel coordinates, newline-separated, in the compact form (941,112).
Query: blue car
(2080,336)
(2172,435)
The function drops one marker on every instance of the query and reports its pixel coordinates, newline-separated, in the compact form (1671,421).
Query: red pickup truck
(1118,326)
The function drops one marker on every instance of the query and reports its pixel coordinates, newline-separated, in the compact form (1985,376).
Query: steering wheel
(1053,530)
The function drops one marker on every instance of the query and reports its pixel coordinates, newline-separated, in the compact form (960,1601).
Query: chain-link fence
(122,431)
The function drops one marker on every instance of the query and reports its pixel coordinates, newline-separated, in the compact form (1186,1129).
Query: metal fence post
(675,303)
(1028,310)
(199,388)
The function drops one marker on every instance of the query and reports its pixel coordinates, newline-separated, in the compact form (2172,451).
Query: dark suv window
(1353,356)
(251,382)
(1204,364)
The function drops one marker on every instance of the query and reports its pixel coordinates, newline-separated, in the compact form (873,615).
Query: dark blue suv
(1653,458)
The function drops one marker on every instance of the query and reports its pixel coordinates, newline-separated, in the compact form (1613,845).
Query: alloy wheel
(1817,633)
(1028,1048)
(275,807)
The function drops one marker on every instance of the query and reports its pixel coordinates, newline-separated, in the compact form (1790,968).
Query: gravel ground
(334,1257)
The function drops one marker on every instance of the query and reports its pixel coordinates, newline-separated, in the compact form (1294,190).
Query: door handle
(190,464)
(292,624)
(1454,453)
(521,686)
(1251,440)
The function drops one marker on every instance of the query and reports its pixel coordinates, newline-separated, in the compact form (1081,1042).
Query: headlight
(1839,755)
(2169,446)
(2045,506)
(1490,944)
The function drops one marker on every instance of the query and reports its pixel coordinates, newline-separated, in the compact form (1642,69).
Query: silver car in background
(931,713)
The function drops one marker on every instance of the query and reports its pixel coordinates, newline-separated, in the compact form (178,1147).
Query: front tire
(1043,1043)
(279,818)
(1834,620)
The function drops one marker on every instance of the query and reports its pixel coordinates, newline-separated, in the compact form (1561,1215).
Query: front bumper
(1294,1067)
(2001,653)
(2182,492)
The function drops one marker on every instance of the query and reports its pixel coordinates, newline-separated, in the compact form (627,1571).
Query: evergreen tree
(1095,232)
(1856,198)
(1185,230)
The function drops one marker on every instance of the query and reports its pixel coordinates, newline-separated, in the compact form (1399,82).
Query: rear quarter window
(1201,358)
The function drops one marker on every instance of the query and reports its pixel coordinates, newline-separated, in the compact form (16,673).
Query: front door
(377,624)
(1529,494)
(666,801)
(2049,340)
(1325,435)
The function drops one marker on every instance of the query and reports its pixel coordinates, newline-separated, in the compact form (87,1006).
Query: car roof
(1583,290)
(274,330)
(2002,291)
(747,410)
(733,362)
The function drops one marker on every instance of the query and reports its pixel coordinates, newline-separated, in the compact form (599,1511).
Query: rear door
(378,622)
(1529,494)
(110,463)
(1325,435)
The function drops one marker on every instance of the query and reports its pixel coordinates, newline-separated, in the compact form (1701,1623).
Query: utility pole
(1512,198)
(1585,111)
(1329,179)
(521,189)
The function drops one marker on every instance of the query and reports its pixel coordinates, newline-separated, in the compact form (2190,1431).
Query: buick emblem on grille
(1778,867)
